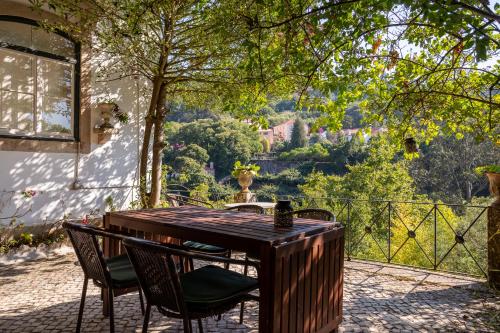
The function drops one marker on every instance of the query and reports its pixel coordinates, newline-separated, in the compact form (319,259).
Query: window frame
(76,79)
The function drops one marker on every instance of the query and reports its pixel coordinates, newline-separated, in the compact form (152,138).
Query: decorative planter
(104,133)
(283,217)
(494,179)
(245,179)
(106,110)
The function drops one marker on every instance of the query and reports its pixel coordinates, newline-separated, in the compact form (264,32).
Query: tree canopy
(417,66)
(225,141)
(421,68)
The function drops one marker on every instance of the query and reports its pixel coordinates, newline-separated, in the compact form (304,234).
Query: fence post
(349,230)
(494,244)
(389,235)
(435,236)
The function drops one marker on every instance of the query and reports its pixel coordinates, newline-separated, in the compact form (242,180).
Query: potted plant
(245,174)
(111,109)
(493,174)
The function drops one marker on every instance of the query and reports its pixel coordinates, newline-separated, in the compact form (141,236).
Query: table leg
(265,289)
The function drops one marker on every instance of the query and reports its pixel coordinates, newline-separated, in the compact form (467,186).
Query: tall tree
(415,65)
(190,51)
(445,169)
(299,135)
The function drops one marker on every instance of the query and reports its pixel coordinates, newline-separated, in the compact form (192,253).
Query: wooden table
(301,273)
(264,205)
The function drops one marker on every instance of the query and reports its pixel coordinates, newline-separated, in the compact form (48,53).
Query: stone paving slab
(43,296)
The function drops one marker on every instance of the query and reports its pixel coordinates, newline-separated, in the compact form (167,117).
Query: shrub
(316,152)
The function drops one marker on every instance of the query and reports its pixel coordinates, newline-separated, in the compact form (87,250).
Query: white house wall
(108,170)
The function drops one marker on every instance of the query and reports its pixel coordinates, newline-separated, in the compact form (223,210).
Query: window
(38,82)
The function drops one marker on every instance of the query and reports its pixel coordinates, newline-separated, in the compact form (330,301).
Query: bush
(316,152)
(266,146)
(267,193)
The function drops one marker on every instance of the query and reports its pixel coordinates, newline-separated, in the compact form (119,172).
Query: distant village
(283,133)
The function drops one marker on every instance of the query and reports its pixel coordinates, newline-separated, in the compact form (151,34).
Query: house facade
(280,132)
(55,161)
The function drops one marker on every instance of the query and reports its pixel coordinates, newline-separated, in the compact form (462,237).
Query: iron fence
(437,236)
(430,235)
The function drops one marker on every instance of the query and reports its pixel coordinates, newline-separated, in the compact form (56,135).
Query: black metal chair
(248,209)
(179,200)
(115,273)
(176,200)
(315,214)
(201,293)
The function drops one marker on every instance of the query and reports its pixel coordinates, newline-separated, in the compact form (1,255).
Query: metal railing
(430,235)
(437,236)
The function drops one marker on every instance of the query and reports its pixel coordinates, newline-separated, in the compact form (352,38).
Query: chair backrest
(177,200)
(248,209)
(88,251)
(315,214)
(156,271)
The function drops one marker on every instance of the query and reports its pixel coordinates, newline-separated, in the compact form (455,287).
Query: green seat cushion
(118,261)
(211,286)
(200,247)
(121,271)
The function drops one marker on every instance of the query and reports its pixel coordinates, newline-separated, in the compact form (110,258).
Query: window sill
(45,145)
(37,138)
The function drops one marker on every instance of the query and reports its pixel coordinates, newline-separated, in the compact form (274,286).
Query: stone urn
(106,110)
(245,179)
(494,179)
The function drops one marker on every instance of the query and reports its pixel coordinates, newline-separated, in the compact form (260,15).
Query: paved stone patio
(43,296)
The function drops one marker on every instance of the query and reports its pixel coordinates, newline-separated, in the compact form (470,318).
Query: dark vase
(283,214)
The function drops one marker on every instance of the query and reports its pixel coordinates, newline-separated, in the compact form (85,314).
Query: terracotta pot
(494,179)
(245,179)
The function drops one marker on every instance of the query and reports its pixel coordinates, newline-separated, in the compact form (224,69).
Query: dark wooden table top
(193,221)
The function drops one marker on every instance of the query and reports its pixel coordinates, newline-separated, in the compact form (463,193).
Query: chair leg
(82,305)
(187,325)
(200,325)
(142,301)
(191,264)
(111,311)
(146,319)
(242,307)
(228,255)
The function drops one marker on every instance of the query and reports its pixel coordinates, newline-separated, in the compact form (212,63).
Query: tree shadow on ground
(24,267)
(62,317)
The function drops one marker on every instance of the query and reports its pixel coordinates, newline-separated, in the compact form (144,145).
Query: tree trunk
(158,145)
(143,166)
(468,191)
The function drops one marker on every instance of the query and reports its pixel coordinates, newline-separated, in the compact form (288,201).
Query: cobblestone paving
(43,296)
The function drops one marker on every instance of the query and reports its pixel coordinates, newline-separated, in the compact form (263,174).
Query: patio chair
(248,209)
(203,292)
(315,214)
(177,200)
(115,273)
